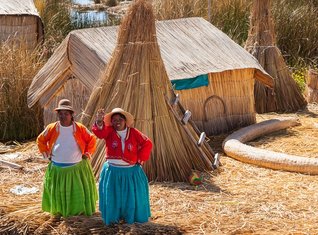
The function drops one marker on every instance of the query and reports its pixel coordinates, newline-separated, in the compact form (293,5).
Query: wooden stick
(194,126)
(203,155)
(11,164)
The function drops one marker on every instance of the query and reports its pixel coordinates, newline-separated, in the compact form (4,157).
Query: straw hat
(129,117)
(64,104)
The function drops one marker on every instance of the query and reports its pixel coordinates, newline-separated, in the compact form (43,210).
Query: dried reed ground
(237,199)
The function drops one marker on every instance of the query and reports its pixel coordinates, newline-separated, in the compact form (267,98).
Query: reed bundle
(136,80)
(234,147)
(261,42)
(312,86)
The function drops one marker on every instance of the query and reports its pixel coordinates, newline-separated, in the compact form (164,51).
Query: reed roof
(189,47)
(18,7)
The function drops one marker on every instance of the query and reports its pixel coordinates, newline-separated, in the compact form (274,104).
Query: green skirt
(70,190)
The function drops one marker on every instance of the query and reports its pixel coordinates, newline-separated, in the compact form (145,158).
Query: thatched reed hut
(261,43)
(135,79)
(213,75)
(19,20)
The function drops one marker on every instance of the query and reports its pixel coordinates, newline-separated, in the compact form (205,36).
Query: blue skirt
(123,194)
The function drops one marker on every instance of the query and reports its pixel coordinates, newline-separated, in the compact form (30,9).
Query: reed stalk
(17,68)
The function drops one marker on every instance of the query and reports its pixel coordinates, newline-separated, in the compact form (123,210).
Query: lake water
(87,17)
(82,2)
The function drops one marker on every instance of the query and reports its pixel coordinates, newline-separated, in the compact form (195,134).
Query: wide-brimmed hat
(64,104)
(129,117)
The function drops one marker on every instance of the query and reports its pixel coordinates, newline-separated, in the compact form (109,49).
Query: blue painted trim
(189,83)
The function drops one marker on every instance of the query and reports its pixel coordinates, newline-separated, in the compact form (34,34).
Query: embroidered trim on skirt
(123,194)
(70,190)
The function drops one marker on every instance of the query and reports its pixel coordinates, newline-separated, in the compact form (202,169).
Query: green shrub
(57,22)
(299,77)
(232,17)
(296,24)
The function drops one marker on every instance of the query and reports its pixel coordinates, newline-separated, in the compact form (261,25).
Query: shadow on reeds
(206,186)
(207,182)
(94,225)
(306,112)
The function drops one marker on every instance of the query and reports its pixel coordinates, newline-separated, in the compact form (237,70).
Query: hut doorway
(214,111)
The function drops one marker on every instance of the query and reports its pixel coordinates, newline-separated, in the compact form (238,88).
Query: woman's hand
(100,117)
(46,156)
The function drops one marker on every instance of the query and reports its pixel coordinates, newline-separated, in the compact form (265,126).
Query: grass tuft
(17,121)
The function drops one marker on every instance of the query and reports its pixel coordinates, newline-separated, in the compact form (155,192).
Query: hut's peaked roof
(189,47)
(18,7)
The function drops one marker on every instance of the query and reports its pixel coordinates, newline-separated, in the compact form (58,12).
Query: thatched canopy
(189,47)
(136,80)
(20,20)
(261,42)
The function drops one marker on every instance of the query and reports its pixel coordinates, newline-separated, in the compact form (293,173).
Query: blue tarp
(189,83)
